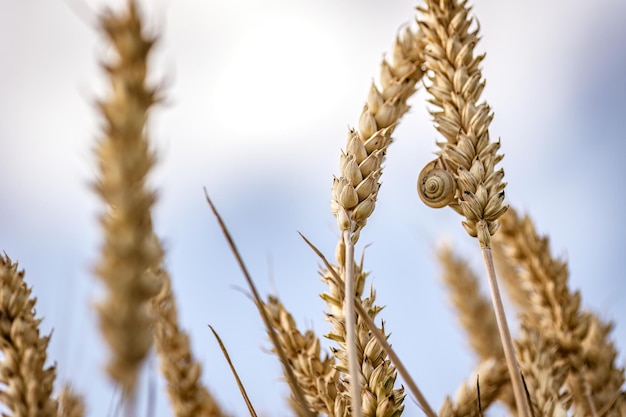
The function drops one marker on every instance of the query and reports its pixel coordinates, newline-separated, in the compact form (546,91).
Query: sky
(260,96)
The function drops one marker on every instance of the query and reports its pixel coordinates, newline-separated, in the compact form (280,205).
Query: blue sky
(261,94)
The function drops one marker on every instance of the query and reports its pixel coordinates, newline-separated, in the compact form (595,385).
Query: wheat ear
(468,157)
(27,383)
(71,404)
(554,311)
(356,189)
(188,396)
(316,374)
(330,274)
(125,160)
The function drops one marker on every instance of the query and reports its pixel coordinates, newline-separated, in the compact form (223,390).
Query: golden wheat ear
(125,161)
(553,312)
(287,368)
(367,318)
(188,396)
(354,195)
(316,374)
(27,382)
(464,176)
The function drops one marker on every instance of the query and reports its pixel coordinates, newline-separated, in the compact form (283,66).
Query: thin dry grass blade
(291,378)
(242,389)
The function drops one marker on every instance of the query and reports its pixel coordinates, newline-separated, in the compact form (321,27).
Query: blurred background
(260,98)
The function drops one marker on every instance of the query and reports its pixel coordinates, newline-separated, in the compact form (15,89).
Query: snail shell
(436,185)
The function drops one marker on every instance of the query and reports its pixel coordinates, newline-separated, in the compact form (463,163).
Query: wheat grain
(124,159)
(27,382)
(188,396)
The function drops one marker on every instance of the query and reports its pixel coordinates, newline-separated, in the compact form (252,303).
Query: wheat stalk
(27,382)
(125,160)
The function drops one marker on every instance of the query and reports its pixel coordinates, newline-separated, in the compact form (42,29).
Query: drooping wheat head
(455,86)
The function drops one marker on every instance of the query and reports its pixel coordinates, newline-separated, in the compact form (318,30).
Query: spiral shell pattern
(436,186)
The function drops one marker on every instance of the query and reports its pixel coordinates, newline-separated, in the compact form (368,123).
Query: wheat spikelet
(544,373)
(71,404)
(455,86)
(376,373)
(604,378)
(356,189)
(316,374)
(474,311)
(490,377)
(27,382)
(181,370)
(125,160)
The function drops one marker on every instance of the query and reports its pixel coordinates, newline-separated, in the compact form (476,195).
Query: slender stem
(521,400)
(348,312)
(291,377)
